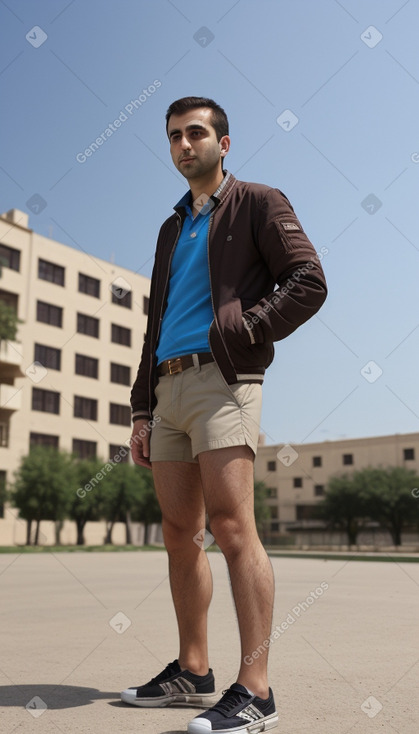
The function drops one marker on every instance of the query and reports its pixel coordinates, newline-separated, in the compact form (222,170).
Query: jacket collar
(217,197)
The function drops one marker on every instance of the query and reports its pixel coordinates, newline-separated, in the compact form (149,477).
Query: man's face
(194,147)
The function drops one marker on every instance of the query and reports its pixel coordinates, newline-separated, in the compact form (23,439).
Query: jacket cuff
(139,416)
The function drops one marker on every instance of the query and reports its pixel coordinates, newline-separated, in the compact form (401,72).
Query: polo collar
(216,196)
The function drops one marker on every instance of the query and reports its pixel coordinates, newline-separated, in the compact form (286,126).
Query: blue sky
(349,74)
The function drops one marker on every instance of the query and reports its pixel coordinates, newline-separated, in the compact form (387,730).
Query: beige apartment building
(66,380)
(297,476)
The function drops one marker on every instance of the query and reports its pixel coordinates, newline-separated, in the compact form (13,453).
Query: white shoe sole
(203,726)
(197,700)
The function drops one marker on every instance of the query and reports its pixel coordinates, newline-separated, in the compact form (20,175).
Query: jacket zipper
(213,308)
(161,311)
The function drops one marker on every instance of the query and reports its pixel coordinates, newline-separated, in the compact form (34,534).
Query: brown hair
(219,119)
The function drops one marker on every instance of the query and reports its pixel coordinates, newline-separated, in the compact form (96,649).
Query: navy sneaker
(237,710)
(173,686)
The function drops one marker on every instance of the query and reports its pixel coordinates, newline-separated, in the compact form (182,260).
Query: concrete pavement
(79,627)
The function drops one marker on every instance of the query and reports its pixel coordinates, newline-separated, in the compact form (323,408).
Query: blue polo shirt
(189,313)
(187,318)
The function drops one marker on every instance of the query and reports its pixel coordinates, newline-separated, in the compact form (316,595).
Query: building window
(308,512)
(318,490)
(9,299)
(87,325)
(51,272)
(146,302)
(89,285)
(348,459)
(298,482)
(409,454)
(317,461)
(122,300)
(274,513)
(43,439)
(84,449)
(2,492)
(48,356)
(120,415)
(271,465)
(121,451)
(120,373)
(85,408)
(49,314)
(9,257)
(4,435)
(272,493)
(87,366)
(48,401)
(121,335)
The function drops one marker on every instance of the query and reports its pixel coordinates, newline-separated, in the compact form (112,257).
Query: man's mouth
(185,160)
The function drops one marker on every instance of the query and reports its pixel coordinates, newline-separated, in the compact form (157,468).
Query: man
(213,317)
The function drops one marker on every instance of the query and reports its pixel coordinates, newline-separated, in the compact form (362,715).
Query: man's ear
(224,145)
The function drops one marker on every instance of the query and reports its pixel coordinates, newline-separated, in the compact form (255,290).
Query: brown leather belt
(178,364)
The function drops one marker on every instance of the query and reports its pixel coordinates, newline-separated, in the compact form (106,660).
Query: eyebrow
(188,127)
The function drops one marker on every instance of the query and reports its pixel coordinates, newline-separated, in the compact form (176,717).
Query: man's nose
(184,143)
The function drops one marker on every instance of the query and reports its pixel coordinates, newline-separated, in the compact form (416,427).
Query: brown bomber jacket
(255,242)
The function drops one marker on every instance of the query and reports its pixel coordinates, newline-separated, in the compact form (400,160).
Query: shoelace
(229,701)
(169,670)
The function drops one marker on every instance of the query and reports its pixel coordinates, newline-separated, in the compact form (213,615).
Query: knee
(230,534)
(179,536)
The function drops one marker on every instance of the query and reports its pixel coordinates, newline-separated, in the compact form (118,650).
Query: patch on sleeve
(291,227)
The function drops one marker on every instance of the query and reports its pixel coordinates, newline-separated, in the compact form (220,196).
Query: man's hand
(140,442)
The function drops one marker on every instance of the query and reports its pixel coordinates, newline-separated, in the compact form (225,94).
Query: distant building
(66,380)
(297,475)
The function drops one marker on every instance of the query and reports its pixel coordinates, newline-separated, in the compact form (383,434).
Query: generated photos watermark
(292,617)
(282,292)
(117,458)
(123,116)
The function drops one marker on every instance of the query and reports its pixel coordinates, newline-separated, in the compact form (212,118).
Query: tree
(4,495)
(87,493)
(40,489)
(148,509)
(8,322)
(344,503)
(262,513)
(121,496)
(390,499)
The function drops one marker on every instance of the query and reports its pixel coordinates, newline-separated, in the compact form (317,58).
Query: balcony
(10,398)
(11,359)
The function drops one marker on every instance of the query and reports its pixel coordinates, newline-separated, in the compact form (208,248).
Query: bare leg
(227,479)
(179,491)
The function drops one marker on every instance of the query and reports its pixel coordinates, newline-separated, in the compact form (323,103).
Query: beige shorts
(198,412)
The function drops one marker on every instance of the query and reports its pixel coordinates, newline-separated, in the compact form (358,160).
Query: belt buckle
(174,365)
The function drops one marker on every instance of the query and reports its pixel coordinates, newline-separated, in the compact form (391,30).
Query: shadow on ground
(41,697)
(50,696)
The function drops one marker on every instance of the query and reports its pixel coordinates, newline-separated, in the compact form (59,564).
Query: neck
(206,184)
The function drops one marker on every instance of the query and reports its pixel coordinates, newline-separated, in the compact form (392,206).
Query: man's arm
(295,265)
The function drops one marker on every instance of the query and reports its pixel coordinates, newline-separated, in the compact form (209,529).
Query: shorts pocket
(238,390)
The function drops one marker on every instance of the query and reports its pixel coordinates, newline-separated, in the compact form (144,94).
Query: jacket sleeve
(140,392)
(295,266)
